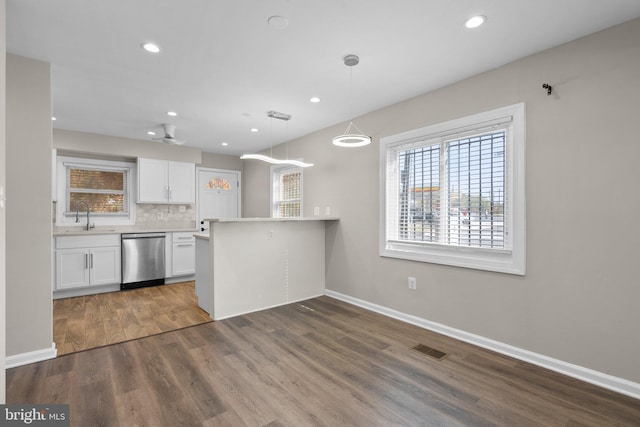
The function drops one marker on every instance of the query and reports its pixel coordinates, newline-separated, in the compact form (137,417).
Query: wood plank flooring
(81,323)
(319,363)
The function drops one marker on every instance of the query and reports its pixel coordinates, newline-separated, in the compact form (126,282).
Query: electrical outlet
(316,210)
(182,209)
(327,210)
(159,215)
(411,281)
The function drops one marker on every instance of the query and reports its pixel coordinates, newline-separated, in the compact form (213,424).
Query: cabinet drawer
(70,242)
(183,237)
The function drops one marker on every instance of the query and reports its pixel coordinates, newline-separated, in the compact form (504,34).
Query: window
(104,187)
(286,192)
(453,193)
(101,191)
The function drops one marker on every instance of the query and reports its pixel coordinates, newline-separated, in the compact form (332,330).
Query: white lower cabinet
(84,261)
(181,254)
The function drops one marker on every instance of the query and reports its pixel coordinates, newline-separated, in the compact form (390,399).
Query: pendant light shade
(275,161)
(352,136)
(348,139)
(270,159)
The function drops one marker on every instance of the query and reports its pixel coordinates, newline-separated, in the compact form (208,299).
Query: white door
(218,195)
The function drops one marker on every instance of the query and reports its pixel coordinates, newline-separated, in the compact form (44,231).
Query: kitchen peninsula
(250,264)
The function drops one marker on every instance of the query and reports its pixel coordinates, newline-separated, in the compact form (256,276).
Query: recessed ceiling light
(54,119)
(315,99)
(151,47)
(151,133)
(254,130)
(224,144)
(172,113)
(475,21)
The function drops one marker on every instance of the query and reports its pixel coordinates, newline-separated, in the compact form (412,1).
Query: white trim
(504,261)
(617,384)
(279,170)
(31,357)
(63,219)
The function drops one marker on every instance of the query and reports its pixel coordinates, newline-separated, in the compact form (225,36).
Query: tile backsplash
(152,217)
(165,216)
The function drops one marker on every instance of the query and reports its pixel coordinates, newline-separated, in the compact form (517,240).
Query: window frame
(65,218)
(512,261)
(276,173)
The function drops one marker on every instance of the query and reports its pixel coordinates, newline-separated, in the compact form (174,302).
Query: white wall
(2,211)
(28,157)
(578,301)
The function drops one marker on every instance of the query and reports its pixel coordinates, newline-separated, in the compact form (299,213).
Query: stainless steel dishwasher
(142,260)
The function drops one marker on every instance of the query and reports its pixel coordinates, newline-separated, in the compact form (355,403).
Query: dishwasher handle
(143,236)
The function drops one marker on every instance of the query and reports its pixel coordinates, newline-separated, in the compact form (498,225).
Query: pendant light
(270,159)
(352,136)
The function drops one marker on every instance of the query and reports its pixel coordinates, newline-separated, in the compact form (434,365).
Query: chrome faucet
(86,205)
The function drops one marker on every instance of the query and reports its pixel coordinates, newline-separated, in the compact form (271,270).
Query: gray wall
(2,211)
(28,157)
(221,161)
(91,143)
(579,299)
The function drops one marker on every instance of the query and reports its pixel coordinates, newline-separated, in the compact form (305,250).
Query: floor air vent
(431,352)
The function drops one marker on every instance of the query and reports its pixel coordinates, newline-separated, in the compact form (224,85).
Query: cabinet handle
(184,238)
(86,261)
(169,193)
(185,245)
(166,189)
(91,261)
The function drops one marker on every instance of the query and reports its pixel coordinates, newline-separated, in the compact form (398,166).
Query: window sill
(500,261)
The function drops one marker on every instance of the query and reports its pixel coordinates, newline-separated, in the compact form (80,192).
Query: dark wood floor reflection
(319,363)
(81,323)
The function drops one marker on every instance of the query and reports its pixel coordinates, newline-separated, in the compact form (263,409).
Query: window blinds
(450,190)
(104,190)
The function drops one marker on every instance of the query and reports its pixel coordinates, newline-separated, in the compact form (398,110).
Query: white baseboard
(607,381)
(31,357)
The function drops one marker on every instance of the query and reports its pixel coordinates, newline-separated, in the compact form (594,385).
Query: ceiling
(222,66)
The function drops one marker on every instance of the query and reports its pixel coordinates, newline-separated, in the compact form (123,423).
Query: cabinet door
(72,268)
(184,258)
(182,182)
(104,266)
(153,179)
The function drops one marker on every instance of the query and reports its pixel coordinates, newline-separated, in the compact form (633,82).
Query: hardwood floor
(320,363)
(81,323)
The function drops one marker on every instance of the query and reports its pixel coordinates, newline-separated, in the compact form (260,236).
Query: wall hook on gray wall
(548,87)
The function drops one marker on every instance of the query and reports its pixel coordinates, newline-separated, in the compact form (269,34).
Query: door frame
(214,170)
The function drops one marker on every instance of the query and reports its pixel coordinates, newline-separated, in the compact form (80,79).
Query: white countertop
(308,218)
(118,230)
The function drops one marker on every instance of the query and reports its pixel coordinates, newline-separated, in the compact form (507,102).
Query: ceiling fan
(169,138)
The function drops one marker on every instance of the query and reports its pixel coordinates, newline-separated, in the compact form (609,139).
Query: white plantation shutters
(287,192)
(448,192)
(476,191)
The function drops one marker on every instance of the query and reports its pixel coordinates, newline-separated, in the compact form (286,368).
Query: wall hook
(548,87)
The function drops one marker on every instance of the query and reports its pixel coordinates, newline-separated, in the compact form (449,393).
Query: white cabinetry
(181,254)
(85,261)
(162,181)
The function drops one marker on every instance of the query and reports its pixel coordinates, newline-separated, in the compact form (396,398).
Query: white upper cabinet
(162,181)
